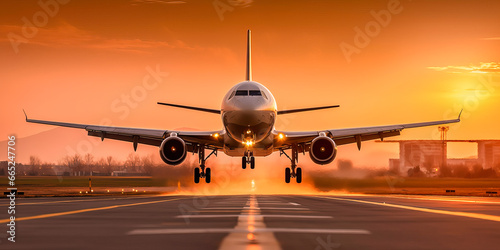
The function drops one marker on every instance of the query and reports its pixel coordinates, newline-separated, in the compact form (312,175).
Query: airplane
(248,113)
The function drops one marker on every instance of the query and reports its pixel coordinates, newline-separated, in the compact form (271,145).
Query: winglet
(26,116)
(249,56)
(460,114)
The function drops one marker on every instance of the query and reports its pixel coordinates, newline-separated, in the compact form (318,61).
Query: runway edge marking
(86,199)
(42,216)
(428,210)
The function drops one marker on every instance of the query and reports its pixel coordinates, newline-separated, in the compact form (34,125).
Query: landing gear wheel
(298,175)
(197,175)
(287,175)
(208,175)
(244,162)
(252,162)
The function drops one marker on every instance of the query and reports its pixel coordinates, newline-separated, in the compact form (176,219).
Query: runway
(254,222)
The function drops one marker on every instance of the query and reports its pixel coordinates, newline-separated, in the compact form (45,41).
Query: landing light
(281,136)
(251,236)
(248,143)
(216,135)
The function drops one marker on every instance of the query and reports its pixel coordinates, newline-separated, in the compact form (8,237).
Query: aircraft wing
(350,135)
(152,137)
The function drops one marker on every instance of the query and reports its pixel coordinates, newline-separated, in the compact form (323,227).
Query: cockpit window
(255,92)
(248,93)
(264,95)
(232,95)
(241,92)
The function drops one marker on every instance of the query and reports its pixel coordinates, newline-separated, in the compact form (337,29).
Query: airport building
(431,154)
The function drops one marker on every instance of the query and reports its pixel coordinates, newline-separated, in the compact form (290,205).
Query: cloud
(491,38)
(491,67)
(66,35)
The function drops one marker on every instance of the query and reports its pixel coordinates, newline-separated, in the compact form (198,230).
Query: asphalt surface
(253,222)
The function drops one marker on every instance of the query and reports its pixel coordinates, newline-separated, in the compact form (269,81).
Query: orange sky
(430,60)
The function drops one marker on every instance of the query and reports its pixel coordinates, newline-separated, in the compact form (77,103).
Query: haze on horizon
(427,61)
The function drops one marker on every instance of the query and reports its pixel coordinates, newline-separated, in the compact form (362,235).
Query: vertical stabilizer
(249,56)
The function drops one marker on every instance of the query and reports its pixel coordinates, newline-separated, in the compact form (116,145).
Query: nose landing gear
(248,159)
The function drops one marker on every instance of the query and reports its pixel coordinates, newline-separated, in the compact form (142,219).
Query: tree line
(85,165)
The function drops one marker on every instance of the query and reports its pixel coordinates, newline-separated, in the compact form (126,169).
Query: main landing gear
(293,171)
(248,159)
(202,171)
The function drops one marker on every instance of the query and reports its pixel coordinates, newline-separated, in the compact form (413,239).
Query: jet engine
(173,150)
(323,150)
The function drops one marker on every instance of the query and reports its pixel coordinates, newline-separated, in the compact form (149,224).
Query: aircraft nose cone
(252,103)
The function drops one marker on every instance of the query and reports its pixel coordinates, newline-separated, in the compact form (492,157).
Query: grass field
(73,185)
(83,181)
(400,182)
(79,185)
(400,185)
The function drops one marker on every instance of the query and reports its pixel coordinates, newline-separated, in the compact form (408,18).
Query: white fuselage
(248,114)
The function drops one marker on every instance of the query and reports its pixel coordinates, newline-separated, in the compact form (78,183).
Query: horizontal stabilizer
(281,112)
(214,111)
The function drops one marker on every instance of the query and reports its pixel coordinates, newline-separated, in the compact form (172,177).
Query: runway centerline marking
(248,232)
(428,210)
(42,216)
(256,216)
(253,208)
(244,231)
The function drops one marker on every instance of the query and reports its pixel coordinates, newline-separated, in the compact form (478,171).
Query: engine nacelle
(323,150)
(173,150)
